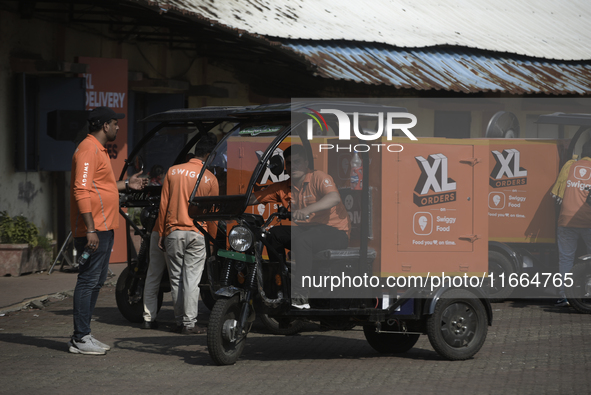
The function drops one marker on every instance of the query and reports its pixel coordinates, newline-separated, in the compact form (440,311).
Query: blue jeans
(91,277)
(567,239)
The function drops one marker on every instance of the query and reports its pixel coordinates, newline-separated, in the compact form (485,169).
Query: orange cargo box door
(522,174)
(435,209)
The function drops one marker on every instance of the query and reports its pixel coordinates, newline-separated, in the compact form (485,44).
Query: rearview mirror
(276,165)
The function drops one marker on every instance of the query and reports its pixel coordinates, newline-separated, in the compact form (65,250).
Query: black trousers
(304,242)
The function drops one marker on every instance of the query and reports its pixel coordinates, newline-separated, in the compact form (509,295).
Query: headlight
(240,238)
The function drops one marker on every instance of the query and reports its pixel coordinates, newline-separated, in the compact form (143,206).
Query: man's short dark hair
(205,145)
(94,128)
(99,116)
(296,149)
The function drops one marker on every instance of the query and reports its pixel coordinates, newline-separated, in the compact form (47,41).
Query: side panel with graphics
(433,211)
(521,176)
(436,198)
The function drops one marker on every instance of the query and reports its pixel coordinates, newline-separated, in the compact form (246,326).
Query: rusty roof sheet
(548,29)
(460,70)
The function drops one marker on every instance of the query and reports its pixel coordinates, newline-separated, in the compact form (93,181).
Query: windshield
(235,160)
(236,157)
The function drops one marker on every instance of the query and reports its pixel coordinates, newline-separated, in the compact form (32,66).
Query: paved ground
(16,292)
(532,348)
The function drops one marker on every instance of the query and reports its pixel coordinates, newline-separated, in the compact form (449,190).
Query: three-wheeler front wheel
(224,342)
(458,327)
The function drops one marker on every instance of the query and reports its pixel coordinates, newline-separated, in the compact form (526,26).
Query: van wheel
(389,343)
(289,327)
(579,295)
(132,306)
(458,327)
(497,264)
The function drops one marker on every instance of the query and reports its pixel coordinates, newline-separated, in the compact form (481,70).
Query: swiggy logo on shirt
(184,172)
(582,173)
(434,185)
(507,171)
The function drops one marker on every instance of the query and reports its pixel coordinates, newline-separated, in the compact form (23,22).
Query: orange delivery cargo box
(428,206)
(521,176)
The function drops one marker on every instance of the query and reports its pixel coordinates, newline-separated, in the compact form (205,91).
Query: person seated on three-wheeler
(316,208)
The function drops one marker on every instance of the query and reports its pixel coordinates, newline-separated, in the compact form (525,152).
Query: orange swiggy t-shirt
(575,212)
(279,192)
(176,191)
(93,188)
(316,185)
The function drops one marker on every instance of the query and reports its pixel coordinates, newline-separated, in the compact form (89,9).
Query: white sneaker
(562,302)
(300,303)
(85,346)
(102,345)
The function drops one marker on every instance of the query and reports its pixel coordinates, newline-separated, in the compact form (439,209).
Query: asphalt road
(532,348)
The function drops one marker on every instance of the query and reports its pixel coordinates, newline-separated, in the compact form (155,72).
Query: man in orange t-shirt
(574,220)
(316,208)
(94,213)
(183,242)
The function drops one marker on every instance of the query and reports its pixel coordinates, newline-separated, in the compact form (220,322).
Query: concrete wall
(30,194)
(34,194)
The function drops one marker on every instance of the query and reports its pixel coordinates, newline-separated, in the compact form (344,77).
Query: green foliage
(17,230)
(45,243)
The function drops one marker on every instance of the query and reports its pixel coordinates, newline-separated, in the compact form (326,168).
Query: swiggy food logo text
(507,171)
(434,185)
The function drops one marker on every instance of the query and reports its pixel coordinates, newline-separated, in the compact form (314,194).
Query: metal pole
(60,253)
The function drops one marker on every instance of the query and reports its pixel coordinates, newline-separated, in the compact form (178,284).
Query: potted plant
(22,250)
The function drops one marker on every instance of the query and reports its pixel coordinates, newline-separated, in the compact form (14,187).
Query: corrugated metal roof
(458,70)
(549,29)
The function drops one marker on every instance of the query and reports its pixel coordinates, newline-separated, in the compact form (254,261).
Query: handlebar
(281,213)
(139,199)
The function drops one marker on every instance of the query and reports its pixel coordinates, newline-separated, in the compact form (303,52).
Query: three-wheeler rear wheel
(224,343)
(579,294)
(132,306)
(389,343)
(281,326)
(498,264)
(458,327)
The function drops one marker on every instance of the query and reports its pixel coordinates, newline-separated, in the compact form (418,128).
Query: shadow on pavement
(41,342)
